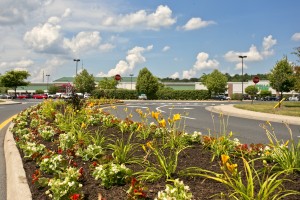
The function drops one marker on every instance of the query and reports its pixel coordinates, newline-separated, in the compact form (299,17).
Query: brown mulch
(195,156)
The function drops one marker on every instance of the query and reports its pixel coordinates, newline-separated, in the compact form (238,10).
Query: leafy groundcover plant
(89,154)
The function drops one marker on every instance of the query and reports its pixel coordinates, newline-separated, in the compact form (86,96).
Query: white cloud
(83,41)
(175,75)
(44,36)
(162,17)
(133,58)
(268,43)
(196,23)
(106,47)
(252,54)
(202,63)
(296,37)
(166,48)
(23,64)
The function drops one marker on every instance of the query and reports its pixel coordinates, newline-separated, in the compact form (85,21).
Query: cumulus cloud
(202,63)
(21,64)
(296,37)
(44,36)
(162,17)
(166,48)
(253,54)
(83,41)
(196,23)
(133,58)
(175,75)
(268,43)
(106,47)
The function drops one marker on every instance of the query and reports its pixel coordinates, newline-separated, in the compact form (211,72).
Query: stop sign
(117,77)
(255,79)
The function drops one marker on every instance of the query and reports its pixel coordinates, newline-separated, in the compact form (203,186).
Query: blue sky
(172,38)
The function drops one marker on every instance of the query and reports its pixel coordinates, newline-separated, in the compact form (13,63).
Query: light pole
(76,60)
(242,57)
(131,75)
(47,80)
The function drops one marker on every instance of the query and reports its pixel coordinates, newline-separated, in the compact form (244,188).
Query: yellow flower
(149,144)
(125,109)
(224,159)
(231,167)
(176,117)
(162,123)
(155,115)
(83,125)
(144,148)
(130,115)
(287,142)
(114,107)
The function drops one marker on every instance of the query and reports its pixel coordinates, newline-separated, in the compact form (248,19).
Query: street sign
(255,79)
(117,77)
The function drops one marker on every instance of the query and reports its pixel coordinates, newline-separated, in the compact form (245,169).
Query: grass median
(286,108)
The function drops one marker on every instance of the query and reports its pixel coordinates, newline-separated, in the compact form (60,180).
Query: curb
(230,110)
(9,102)
(17,186)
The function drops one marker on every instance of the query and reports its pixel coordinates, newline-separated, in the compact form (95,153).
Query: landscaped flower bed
(86,153)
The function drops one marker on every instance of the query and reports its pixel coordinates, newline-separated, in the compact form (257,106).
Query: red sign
(117,77)
(255,79)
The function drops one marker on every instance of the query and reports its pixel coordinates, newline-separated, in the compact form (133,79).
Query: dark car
(220,97)
(270,98)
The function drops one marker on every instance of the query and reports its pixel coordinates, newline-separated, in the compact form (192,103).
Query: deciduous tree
(13,79)
(251,90)
(108,83)
(216,82)
(84,82)
(147,84)
(282,78)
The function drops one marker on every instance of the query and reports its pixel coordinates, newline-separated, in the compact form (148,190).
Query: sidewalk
(8,102)
(232,111)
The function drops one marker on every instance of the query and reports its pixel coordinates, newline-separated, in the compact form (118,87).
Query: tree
(297,52)
(39,91)
(251,90)
(281,77)
(107,83)
(13,79)
(147,84)
(53,89)
(216,82)
(84,82)
(297,79)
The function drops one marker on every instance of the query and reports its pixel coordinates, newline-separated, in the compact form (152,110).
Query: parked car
(86,95)
(220,97)
(23,96)
(40,96)
(294,98)
(65,96)
(270,98)
(53,96)
(142,97)
(5,96)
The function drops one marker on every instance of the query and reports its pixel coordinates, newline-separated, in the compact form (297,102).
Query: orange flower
(231,167)
(149,144)
(155,115)
(224,159)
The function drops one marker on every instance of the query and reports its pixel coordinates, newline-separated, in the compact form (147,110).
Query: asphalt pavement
(17,187)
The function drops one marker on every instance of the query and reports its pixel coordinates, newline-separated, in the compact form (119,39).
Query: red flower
(81,171)
(75,197)
(94,163)
(133,181)
(59,151)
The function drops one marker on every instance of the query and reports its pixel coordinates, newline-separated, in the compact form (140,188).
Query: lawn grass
(286,108)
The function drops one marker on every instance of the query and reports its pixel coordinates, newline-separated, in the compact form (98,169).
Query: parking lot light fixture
(242,57)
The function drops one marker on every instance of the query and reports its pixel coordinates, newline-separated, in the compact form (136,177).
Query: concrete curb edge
(17,186)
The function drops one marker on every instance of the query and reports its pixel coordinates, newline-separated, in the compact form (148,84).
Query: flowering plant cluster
(66,186)
(176,191)
(92,152)
(52,163)
(47,132)
(112,174)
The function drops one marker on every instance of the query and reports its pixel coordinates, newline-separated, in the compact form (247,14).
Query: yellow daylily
(162,123)
(231,167)
(144,148)
(176,117)
(155,115)
(149,144)
(125,109)
(83,125)
(224,159)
